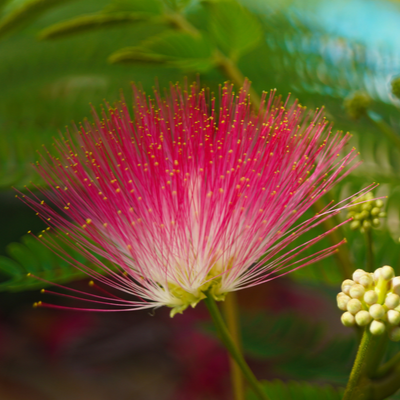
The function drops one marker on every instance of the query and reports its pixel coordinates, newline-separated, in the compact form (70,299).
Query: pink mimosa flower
(187,199)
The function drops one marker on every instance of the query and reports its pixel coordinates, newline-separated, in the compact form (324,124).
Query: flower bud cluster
(366,215)
(372,300)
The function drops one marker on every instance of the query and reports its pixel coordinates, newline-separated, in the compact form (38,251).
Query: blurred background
(57,56)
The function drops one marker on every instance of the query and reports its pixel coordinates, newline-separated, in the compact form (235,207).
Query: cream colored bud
(348,319)
(377,274)
(395,285)
(371,297)
(357,274)
(387,273)
(377,311)
(393,317)
(346,286)
(377,328)
(357,291)
(392,300)
(366,280)
(354,306)
(363,318)
(394,334)
(342,300)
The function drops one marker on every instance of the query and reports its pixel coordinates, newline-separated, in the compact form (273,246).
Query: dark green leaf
(233,27)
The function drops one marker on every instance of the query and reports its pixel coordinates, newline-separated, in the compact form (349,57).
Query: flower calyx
(372,300)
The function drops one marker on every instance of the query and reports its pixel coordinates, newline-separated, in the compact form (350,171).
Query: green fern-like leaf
(30,256)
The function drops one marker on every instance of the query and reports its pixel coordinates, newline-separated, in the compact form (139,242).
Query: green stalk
(235,353)
(362,365)
(231,316)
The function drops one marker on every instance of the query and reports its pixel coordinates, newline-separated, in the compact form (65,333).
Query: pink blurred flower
(187,198)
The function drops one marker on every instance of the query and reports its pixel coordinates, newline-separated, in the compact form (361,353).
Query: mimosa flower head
(188,199)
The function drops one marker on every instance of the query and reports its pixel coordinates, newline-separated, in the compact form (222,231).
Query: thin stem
(343,255)
(363,366)
(370,250)
(388,366)
(231,316)
(235,353)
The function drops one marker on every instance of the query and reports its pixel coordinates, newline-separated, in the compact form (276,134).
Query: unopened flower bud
(376,222)
(387,272)
(394,334)
(392,300)
(377,328)
(377,274)
(346,286)
(357,274)
(357,104)
(354,306)
(382,214)
(366,224)
(366,280)
(376,310)
(370,297)
(357,291)
(342,300)
(379,203)
(355,225)
(393,317)
(395,285)
(363,318)
(348,319)
(375,211)
(396,87)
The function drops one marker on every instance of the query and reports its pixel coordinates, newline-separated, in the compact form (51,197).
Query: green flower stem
(231,316)
(342,256)
(365,364)
(370,251)
(386,129)
(235,353)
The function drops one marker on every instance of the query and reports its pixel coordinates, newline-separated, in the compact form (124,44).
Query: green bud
(379,203)
(348,319)
(382,214)
(396,87)
(357,104)
(364,214)
(366,206)
(363,318)
(376,222)
(366,224)
(375,211)
(355,225)
(377,328)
